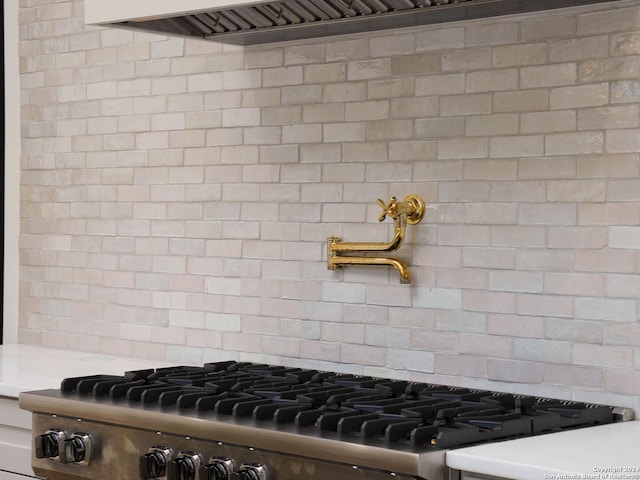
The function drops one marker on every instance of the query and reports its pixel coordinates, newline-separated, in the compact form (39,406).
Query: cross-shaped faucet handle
(412,207)
(390,209)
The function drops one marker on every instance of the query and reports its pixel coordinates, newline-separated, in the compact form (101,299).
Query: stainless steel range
(246,421)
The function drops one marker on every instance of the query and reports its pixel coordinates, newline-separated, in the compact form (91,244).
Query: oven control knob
(252,471)
(50,444)
(218,468)
(77,448)
(153,464)
(184,467)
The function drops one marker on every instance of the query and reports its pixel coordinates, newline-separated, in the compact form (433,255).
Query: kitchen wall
(177,195)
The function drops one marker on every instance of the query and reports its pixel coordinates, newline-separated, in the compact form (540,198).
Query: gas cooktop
(288,418)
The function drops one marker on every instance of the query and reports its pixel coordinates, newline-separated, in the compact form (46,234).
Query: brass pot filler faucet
(410,210)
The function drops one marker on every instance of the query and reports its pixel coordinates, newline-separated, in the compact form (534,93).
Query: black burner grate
(418,415)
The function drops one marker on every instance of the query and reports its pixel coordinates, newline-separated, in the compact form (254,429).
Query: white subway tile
(179,193)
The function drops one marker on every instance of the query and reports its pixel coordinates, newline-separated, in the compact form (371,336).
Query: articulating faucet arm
(411,211)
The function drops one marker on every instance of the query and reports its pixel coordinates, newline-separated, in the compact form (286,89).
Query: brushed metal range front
(117,450)
(121,434)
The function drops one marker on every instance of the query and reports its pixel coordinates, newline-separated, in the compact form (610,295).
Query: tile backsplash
(177,194)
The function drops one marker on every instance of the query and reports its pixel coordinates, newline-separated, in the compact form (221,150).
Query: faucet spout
(397,263)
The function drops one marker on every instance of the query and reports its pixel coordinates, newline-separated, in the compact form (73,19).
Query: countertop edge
(26,367)
(593,452)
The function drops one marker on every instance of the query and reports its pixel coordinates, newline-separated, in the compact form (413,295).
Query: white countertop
(594,452)
(25,367)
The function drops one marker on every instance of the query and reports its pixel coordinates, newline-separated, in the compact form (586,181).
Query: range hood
(249,22)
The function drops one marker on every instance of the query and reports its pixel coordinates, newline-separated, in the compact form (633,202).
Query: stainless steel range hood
(248,22)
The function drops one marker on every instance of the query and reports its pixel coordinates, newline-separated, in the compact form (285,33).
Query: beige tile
(179,194)
(514,371)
